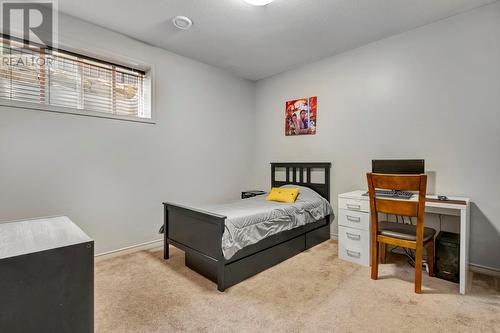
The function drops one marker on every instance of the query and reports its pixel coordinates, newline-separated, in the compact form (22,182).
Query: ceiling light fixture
(182,22)
(258,2)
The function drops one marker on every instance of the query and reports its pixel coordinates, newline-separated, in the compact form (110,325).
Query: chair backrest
(402,207)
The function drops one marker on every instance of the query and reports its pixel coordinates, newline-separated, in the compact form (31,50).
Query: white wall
(431,93)
(111,176)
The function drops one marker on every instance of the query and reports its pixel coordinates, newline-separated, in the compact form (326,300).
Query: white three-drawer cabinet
(354,227)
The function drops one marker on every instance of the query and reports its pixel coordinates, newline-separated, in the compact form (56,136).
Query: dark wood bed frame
(199,233)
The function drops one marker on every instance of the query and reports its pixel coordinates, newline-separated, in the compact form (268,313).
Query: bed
(231,242)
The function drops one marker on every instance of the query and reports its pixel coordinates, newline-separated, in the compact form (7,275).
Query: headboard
(323,189)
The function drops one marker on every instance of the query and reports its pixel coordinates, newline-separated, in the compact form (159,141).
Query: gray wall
(431,93)
(111,176)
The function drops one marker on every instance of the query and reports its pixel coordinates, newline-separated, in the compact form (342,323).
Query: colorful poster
(301,116)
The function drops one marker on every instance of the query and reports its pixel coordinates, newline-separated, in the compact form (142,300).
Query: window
(55,79)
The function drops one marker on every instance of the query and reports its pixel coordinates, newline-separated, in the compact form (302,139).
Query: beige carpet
(312,292)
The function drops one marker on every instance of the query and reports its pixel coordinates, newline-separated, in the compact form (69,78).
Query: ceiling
(257,42)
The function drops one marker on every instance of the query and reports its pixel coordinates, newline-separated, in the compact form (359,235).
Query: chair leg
(430,257)
(374,260)
(418,268)
(383,252)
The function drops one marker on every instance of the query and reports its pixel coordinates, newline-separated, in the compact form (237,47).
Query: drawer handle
(353,236)
(353,218)
(353,254)
(354,207)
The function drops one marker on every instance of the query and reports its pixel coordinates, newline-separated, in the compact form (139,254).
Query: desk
(355,203)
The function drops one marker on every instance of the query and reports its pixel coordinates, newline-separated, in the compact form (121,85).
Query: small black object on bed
(199,233)
(251,194)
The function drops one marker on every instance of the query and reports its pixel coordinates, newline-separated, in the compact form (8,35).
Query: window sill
(62,109)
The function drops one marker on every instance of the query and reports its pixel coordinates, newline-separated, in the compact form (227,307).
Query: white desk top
(35,235)
(451,204)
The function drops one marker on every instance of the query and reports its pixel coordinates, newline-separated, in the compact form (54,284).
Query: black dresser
(46,277)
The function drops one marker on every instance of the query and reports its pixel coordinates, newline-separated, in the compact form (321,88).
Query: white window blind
(64,79)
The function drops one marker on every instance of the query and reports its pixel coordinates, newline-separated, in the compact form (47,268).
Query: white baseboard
(334,236)
(129,249)
(484,270)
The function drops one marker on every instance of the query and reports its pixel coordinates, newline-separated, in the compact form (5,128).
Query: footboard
(193,230)
(198,233)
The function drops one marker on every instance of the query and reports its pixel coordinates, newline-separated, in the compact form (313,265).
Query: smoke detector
(182,22)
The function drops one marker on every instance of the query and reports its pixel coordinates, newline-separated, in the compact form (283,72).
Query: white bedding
(251,220)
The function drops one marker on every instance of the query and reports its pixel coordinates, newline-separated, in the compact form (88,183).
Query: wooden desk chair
(403,235)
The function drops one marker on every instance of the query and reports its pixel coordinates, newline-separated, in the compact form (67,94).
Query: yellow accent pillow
(283,194)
